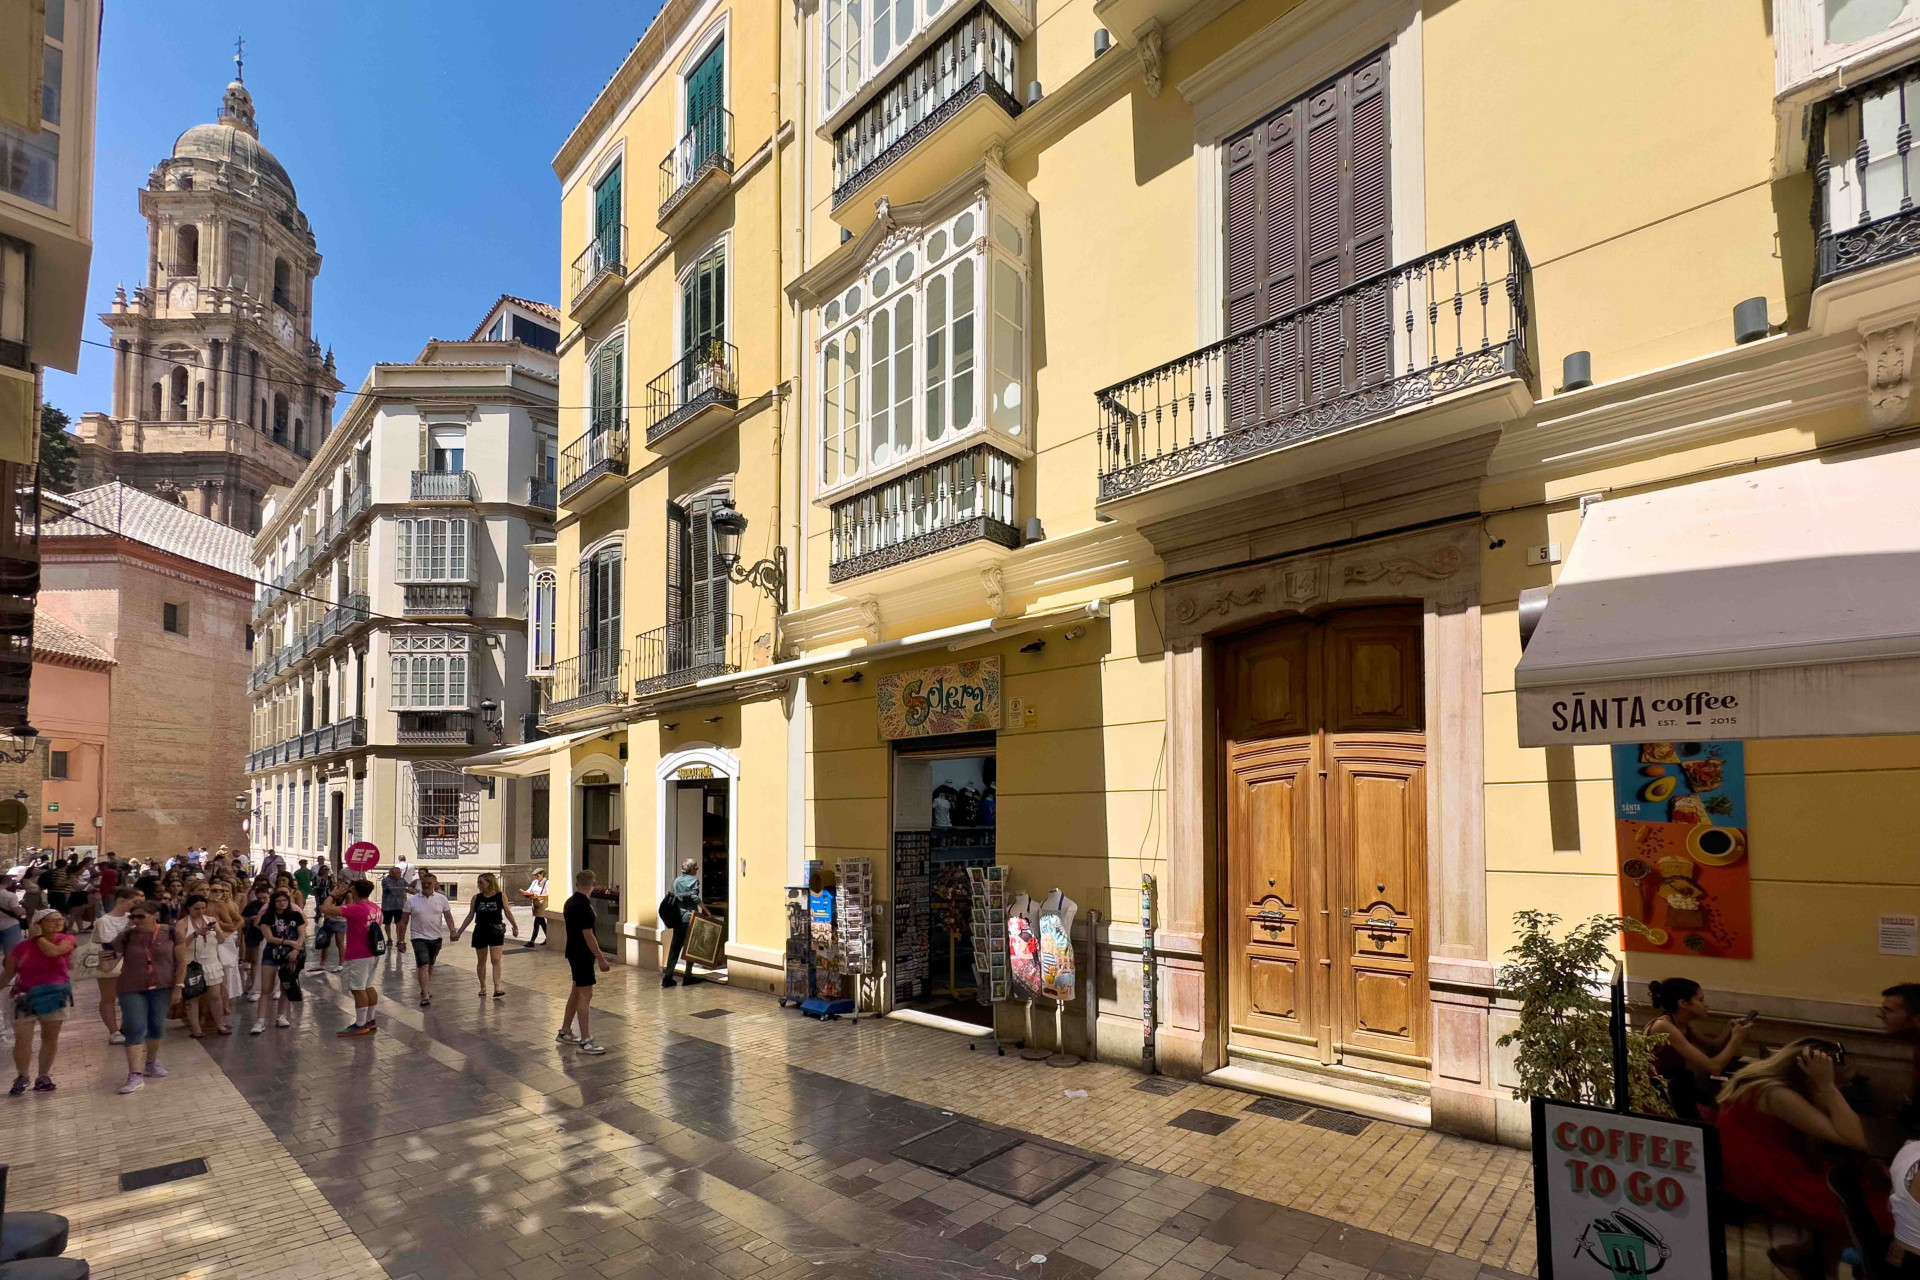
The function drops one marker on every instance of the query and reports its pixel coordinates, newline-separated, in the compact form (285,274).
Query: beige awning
(1782,602)
(523,759)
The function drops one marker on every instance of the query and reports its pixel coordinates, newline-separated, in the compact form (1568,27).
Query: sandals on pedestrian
(499,995)
(43,1085)
(19,1087)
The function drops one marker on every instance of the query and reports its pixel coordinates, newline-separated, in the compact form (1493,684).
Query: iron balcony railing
(602,451)
(1866,174)
(705,147)
(980,55)
(446,599)
(601,257)
(360,499)
(968,497)
(434,728)
(706,376)
(597,677)
(1450,320)
(540,492)
(688,650)
(445,486)
(341,735)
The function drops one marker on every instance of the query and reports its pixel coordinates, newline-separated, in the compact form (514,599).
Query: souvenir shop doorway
(945,803)
(700,834)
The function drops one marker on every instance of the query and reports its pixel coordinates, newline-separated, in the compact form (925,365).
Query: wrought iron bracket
(769,575)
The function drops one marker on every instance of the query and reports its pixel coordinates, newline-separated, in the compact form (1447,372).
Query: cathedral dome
(234,140)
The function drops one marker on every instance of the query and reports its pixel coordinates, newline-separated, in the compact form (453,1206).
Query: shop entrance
(1323,762)
(700,835)
(600,854)
(944,805)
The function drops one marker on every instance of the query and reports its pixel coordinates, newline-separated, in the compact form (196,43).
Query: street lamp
(768,575)
(25,738)
(490,717)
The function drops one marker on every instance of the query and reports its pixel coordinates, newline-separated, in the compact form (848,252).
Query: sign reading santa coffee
(1625,1196)
(959,697)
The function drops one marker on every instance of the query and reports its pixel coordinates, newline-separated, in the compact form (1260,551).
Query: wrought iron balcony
(705,382)
(601,262)
(359,500)
(696,170)
(540,492)
(688,650)
(434,728)
(968,497)
(979,57)
(1453,319)
(598,677)
(445,486)
(1866,175)
(437,599)
(602,451)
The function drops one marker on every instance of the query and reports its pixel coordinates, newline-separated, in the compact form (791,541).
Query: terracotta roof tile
(56,639)
(136,514)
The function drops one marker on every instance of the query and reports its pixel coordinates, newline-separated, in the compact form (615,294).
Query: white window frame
(875,309)
(543,611)
(450,560)
(429,671)
(929,16)
(724,243)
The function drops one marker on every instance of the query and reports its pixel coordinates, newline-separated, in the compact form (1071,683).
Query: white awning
(524,759)
(1779,603)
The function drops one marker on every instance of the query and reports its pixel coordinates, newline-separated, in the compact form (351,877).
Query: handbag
(670,913)
(376,938)
(196,983)
(45,998)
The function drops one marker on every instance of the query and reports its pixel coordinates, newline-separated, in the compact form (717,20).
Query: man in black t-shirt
(583,956)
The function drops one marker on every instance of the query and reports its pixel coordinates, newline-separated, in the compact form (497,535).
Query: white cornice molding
(825,278)
(1725,394)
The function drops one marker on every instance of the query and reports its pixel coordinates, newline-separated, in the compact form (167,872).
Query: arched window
(177,393)
(279,417)
(186,251)
(299,436)
(155,397)
(545,601)
(282,284)
(199,399)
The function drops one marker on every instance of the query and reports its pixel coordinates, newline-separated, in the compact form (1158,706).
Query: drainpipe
(1147,979)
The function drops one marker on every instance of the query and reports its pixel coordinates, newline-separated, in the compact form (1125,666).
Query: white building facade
(393,636)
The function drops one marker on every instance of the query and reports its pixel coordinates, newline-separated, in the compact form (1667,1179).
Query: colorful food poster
(1680,832)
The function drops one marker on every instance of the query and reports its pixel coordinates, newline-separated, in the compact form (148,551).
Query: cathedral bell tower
(219,390)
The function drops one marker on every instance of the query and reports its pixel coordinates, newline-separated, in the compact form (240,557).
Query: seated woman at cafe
(1687,1054)
(1783,1123)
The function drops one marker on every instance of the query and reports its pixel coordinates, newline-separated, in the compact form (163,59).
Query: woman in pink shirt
(41,993)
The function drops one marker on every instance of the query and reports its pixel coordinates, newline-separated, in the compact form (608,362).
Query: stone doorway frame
(1438,569)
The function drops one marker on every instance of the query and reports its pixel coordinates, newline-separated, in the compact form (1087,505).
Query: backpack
(670,913)
(376,937)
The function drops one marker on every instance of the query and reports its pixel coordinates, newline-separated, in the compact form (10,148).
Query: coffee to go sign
(1622,1196)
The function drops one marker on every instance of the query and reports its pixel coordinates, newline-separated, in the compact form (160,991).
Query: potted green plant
(1562,1048)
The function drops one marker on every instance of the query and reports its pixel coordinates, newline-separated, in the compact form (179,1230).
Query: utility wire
(343,393)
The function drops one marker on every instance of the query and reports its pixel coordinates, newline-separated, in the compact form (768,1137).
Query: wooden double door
(1324,765)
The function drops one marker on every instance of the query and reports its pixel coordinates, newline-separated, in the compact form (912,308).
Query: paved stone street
(720,1136)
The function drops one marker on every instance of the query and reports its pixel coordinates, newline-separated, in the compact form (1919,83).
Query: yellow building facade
(1149,418)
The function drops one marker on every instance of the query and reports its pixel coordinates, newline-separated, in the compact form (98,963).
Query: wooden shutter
(583,591)
(607,567)
(606,212)
(1308,215)
(707,583)
(703,97)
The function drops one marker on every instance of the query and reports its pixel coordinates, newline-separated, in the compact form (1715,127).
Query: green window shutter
(606,211)
(705,89)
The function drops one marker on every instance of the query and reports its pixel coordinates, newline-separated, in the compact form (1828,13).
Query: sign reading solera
(1622,1196)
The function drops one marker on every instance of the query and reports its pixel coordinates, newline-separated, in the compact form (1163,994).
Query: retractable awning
(1779,603)
(523,759)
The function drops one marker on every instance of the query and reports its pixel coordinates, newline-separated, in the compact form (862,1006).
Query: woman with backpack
(281,957)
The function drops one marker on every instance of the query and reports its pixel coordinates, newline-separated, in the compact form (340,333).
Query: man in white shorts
(361,967)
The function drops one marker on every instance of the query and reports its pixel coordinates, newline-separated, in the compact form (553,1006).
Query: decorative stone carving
(1394,570)
(1300,584)
(870,617)
(1225,602)
(1889,374)
(997,153)
(995,582)
(1152,56)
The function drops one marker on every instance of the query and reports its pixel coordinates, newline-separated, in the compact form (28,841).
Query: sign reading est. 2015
(959,697)
(1624,1196)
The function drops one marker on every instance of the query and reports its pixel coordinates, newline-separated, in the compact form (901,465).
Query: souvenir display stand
(1057,968)
(830,996)
(1023,963)
(991,973)
(799,984)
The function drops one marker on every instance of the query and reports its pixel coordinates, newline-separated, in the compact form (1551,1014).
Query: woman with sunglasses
(285,927)
(150,979)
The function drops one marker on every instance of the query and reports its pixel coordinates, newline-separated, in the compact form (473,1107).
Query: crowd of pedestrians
(194,938)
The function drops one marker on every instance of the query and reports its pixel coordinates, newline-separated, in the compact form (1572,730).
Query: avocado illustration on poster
(1680,833)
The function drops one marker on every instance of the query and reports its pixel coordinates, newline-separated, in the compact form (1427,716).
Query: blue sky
(420,138)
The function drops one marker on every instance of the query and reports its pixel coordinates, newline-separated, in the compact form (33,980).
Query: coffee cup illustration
(1628,1248)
